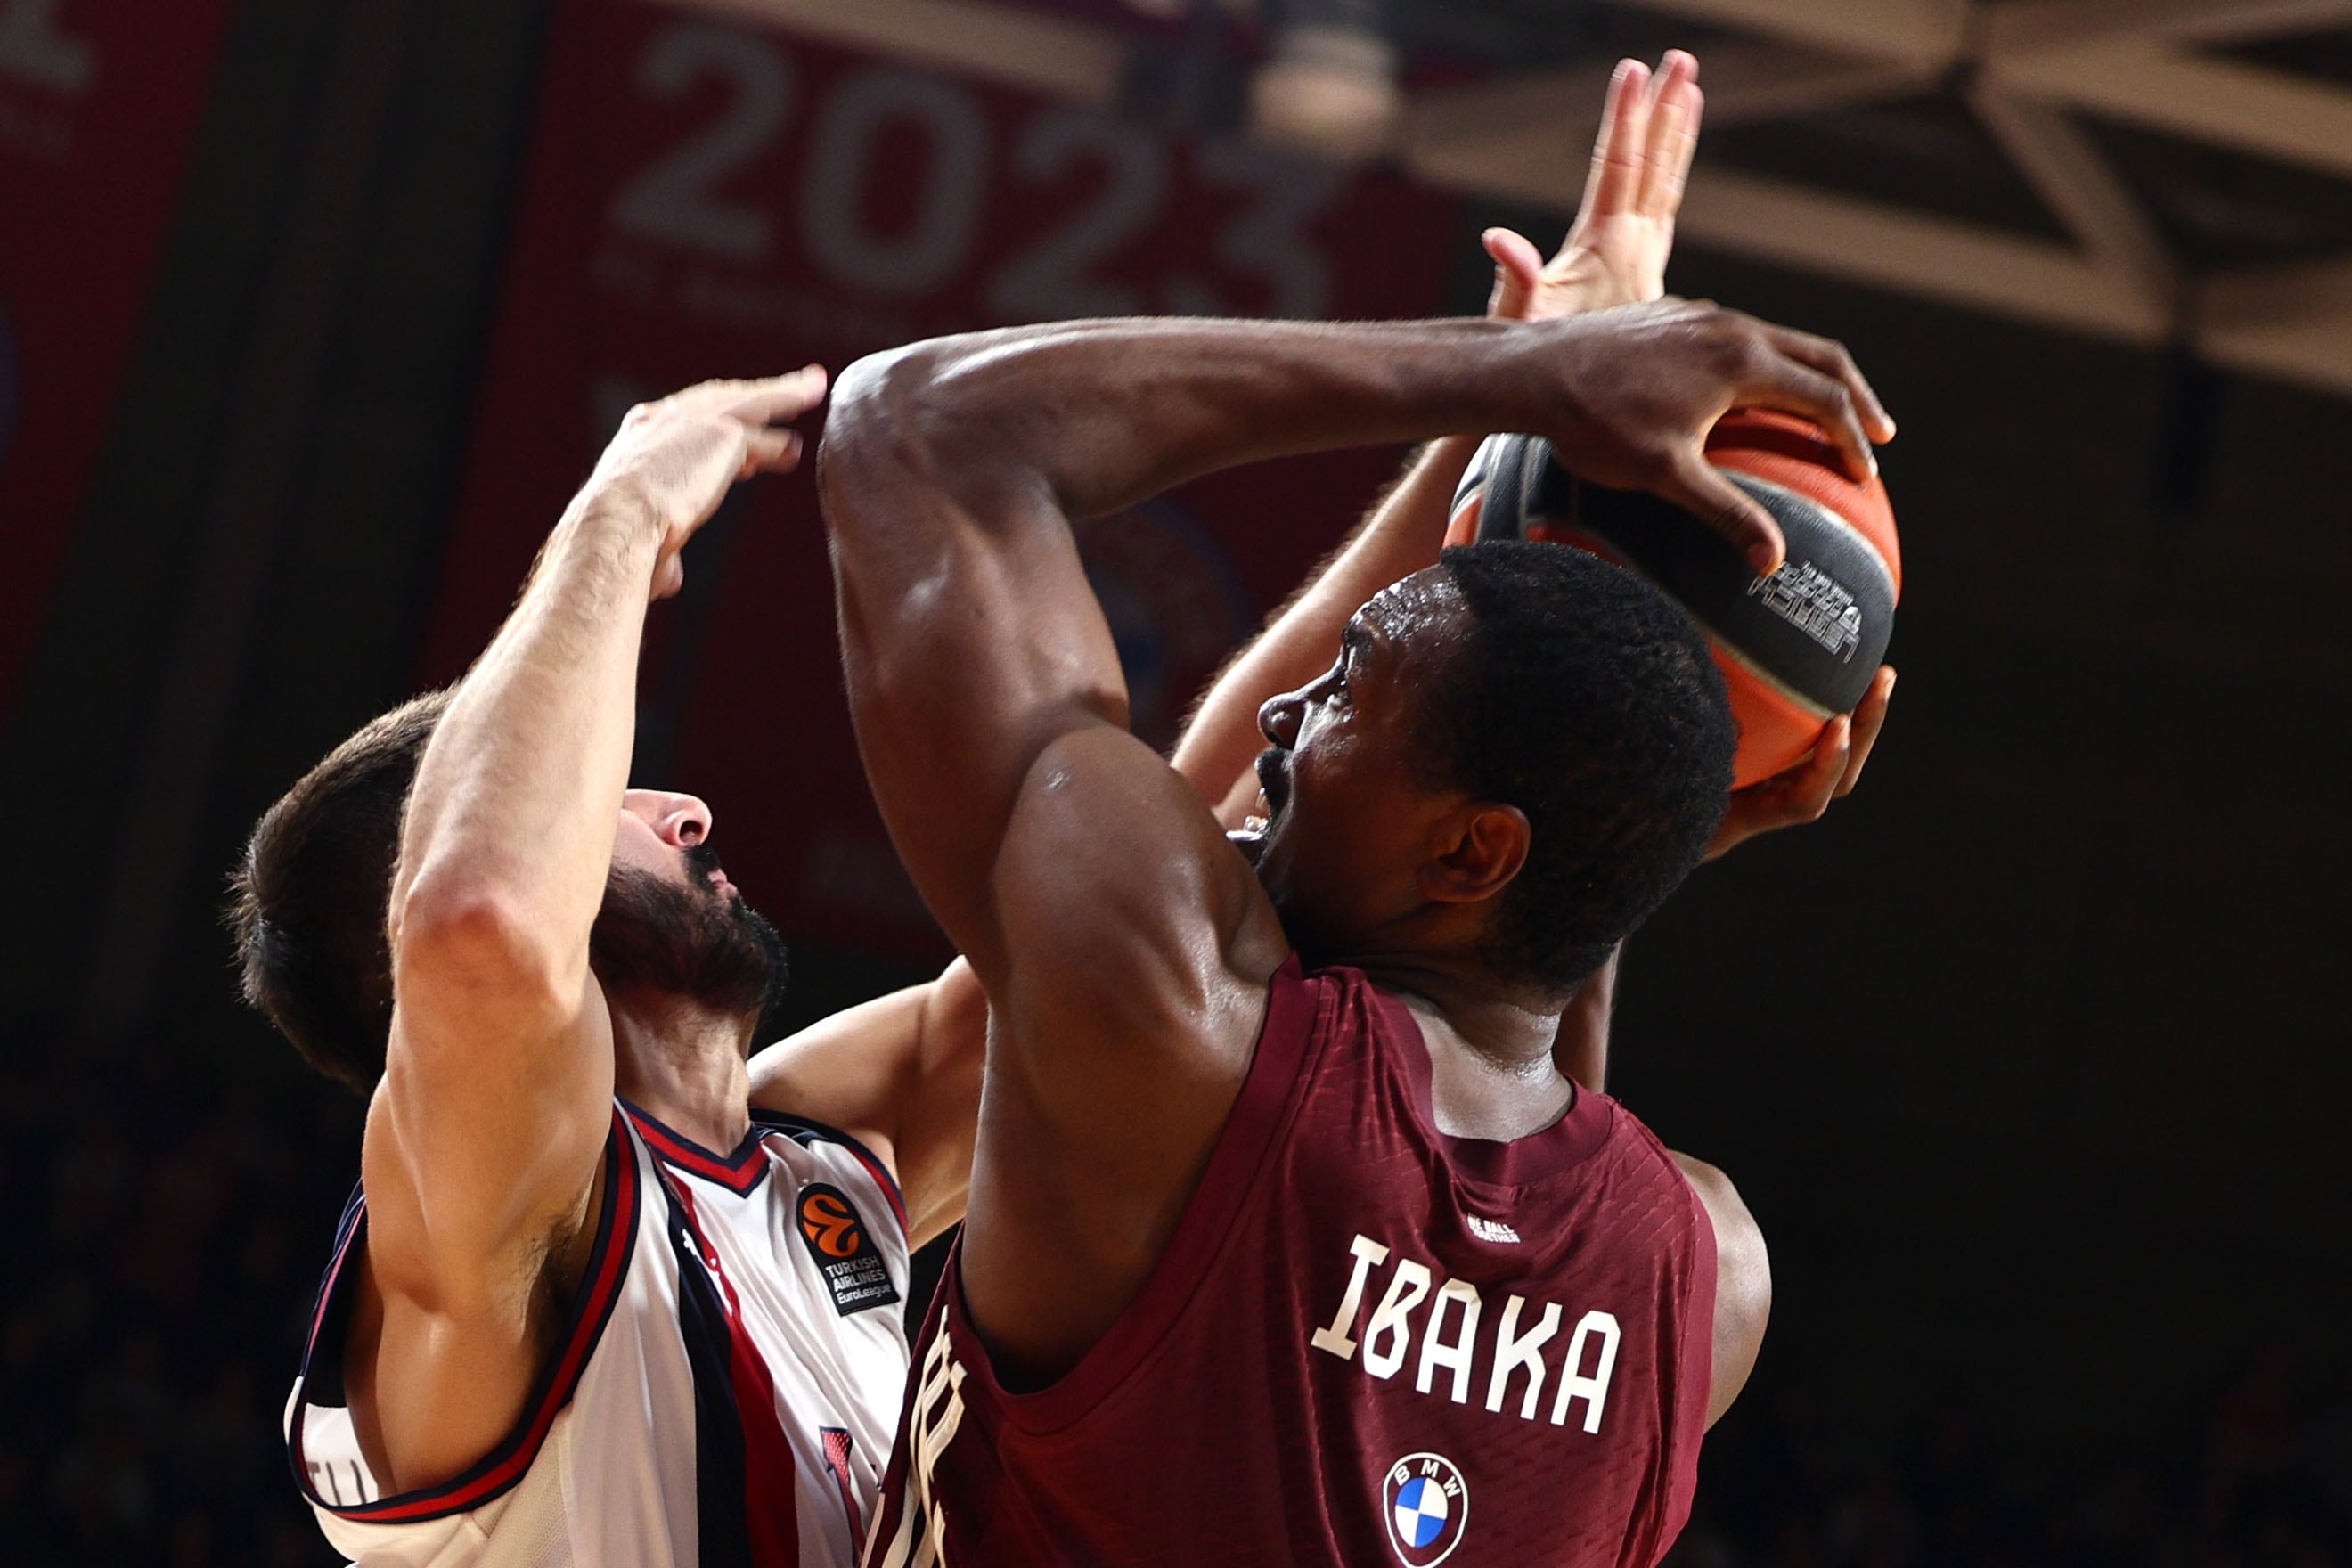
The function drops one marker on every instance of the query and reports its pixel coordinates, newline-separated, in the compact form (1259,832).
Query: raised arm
(1122,942)
(1615,253)
(903,1072)
(955,466)
(484,1136)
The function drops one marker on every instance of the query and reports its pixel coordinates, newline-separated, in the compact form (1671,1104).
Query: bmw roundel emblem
(1427,1503)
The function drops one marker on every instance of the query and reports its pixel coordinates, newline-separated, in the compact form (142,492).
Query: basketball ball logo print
(830,1224)
(849,1264)
(1427,1504)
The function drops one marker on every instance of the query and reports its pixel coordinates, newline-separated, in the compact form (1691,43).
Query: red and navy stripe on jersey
(322,1374)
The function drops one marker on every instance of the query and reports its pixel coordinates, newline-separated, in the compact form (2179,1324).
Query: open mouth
(1273,781)
(1274,788)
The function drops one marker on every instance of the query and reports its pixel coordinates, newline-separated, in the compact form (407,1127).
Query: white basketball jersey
(723,1395)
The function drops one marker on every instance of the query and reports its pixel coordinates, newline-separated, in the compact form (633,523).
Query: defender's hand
(1632,393)
(1803,793)
(1616,251)
(678,456)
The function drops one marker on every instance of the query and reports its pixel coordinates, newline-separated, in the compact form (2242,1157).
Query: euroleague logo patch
(1426,1503)
(834,1234)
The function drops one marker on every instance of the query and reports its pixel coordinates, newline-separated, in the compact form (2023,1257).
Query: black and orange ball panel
(1796,648)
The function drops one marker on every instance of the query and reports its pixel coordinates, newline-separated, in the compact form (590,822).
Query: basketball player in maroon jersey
(1615,253)
(1287,1239)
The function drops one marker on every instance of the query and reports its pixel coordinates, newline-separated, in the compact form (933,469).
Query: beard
(691,940)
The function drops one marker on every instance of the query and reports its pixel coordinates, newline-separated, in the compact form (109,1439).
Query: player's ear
(1480,849)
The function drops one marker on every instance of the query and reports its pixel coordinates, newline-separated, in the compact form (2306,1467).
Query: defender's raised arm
(484,1136)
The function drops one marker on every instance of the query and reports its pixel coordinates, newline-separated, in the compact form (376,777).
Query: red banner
(99,106)
(707,200)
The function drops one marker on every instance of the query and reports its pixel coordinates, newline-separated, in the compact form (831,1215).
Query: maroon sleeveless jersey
(1367,1342)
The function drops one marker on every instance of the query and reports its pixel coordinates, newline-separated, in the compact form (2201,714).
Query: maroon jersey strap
(1279,1064)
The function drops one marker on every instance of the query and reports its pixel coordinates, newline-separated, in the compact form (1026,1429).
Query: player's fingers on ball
(1803,792)
(1868,721)
(1831,357)
(1700,489)
(1794,387)
(1827,767)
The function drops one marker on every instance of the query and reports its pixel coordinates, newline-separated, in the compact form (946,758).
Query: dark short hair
(307,903)
(1587,698)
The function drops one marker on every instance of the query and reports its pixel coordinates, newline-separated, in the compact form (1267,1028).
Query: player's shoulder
(1642,1172)
(1634,1140)
(1735,1226)
(819,1155)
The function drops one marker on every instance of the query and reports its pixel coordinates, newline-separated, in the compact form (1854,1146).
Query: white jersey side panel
(723,1396)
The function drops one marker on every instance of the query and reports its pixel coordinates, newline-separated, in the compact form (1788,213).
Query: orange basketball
(1796,648)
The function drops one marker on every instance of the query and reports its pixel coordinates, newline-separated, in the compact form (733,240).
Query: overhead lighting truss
(2030,70)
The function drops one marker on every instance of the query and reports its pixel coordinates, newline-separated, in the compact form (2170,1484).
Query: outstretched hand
(1616,250)
(1640,386)
(681,455)
(1804,791)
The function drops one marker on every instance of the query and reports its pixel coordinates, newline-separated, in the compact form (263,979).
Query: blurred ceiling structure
(2160,172)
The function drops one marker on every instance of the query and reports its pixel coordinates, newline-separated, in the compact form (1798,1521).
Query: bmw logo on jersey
(1427,1504)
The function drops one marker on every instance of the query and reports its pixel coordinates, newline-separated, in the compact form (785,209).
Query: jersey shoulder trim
(608,1264)
(740,1173)
(805,1130)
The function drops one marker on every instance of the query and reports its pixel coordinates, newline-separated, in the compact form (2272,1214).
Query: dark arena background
(2031,1057)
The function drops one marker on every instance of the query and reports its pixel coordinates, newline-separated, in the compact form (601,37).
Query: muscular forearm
(513,811)
(1400,537)
(1099,414)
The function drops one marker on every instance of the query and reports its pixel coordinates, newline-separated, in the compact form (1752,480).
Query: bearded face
(691,939)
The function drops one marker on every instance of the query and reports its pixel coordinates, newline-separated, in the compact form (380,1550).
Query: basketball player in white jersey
(564,1327)
(593,1308)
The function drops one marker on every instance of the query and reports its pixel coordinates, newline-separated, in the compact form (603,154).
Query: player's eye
(1334,684)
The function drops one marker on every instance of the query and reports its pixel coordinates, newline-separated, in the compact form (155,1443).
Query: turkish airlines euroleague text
(1367,1341)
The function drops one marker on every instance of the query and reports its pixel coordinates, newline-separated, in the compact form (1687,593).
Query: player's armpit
(450,1329)
(1743,1283)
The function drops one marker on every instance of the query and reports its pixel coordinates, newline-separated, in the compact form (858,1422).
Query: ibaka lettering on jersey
(851,1264)
(1450,1335)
